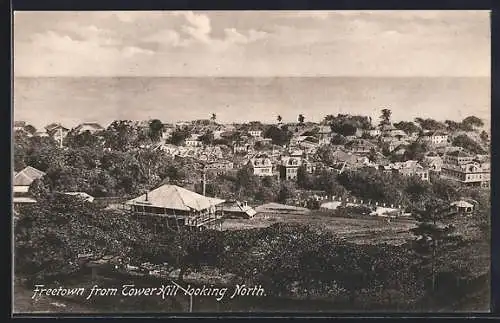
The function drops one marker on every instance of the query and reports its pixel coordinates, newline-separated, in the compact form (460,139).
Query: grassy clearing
(357,230)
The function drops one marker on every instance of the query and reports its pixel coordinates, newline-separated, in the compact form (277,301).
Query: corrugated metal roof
(27,176)
(175,198)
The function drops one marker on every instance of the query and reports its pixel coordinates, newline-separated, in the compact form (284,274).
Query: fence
(360,202)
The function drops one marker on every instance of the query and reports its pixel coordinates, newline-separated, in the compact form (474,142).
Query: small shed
(462,207)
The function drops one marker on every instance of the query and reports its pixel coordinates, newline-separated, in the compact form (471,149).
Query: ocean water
(72,100)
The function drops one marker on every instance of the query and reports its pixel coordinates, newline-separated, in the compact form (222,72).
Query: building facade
(466,169)
(436,138)
(289,167)
(261,165)
(256,133)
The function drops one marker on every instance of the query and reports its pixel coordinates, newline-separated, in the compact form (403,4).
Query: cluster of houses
(363,149)
(283,162)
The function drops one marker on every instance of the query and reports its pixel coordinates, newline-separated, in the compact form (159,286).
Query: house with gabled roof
(57,132)
(359,146)
(435,138)
(179,207)
(21,183)
(23,179)
(91,127)
(433,162)
(261,165)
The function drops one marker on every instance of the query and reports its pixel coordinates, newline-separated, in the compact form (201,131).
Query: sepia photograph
(180,162)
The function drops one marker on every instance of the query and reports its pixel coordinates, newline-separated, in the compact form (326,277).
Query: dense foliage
(347,125)
(468,143)
(288,260)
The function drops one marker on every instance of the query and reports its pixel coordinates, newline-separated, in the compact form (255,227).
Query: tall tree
(301,118)
(484,136)
(452,125)
(408,127)
(473,122)
(155,129)
(416,151)
(83,139)
(279,136)
(468,143)
(430,124)
(433,236)
(213,117)
(178,136)
(121,135)
(385,117)
(279,118)
(207,138)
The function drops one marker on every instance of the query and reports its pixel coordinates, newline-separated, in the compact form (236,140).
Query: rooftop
(54,126)
(174,197)
(27,176)
(90,124)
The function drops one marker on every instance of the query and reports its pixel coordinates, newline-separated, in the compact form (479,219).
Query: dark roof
(53,126)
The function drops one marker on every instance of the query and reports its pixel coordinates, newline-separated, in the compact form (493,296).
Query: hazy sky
(263,43)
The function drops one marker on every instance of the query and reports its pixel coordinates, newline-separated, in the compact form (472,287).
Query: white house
(436,138)
(261,165)
(193,141)
(256,133)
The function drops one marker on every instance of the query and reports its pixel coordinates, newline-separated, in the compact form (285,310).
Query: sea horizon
(235,99)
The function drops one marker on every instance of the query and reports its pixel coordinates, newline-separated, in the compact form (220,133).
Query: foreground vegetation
(289,260)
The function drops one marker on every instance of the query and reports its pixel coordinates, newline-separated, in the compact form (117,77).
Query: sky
(252,44)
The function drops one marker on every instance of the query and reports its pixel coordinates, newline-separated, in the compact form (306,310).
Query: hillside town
(202,175)
(287,152)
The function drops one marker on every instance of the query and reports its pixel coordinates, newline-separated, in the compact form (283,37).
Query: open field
(357,230)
